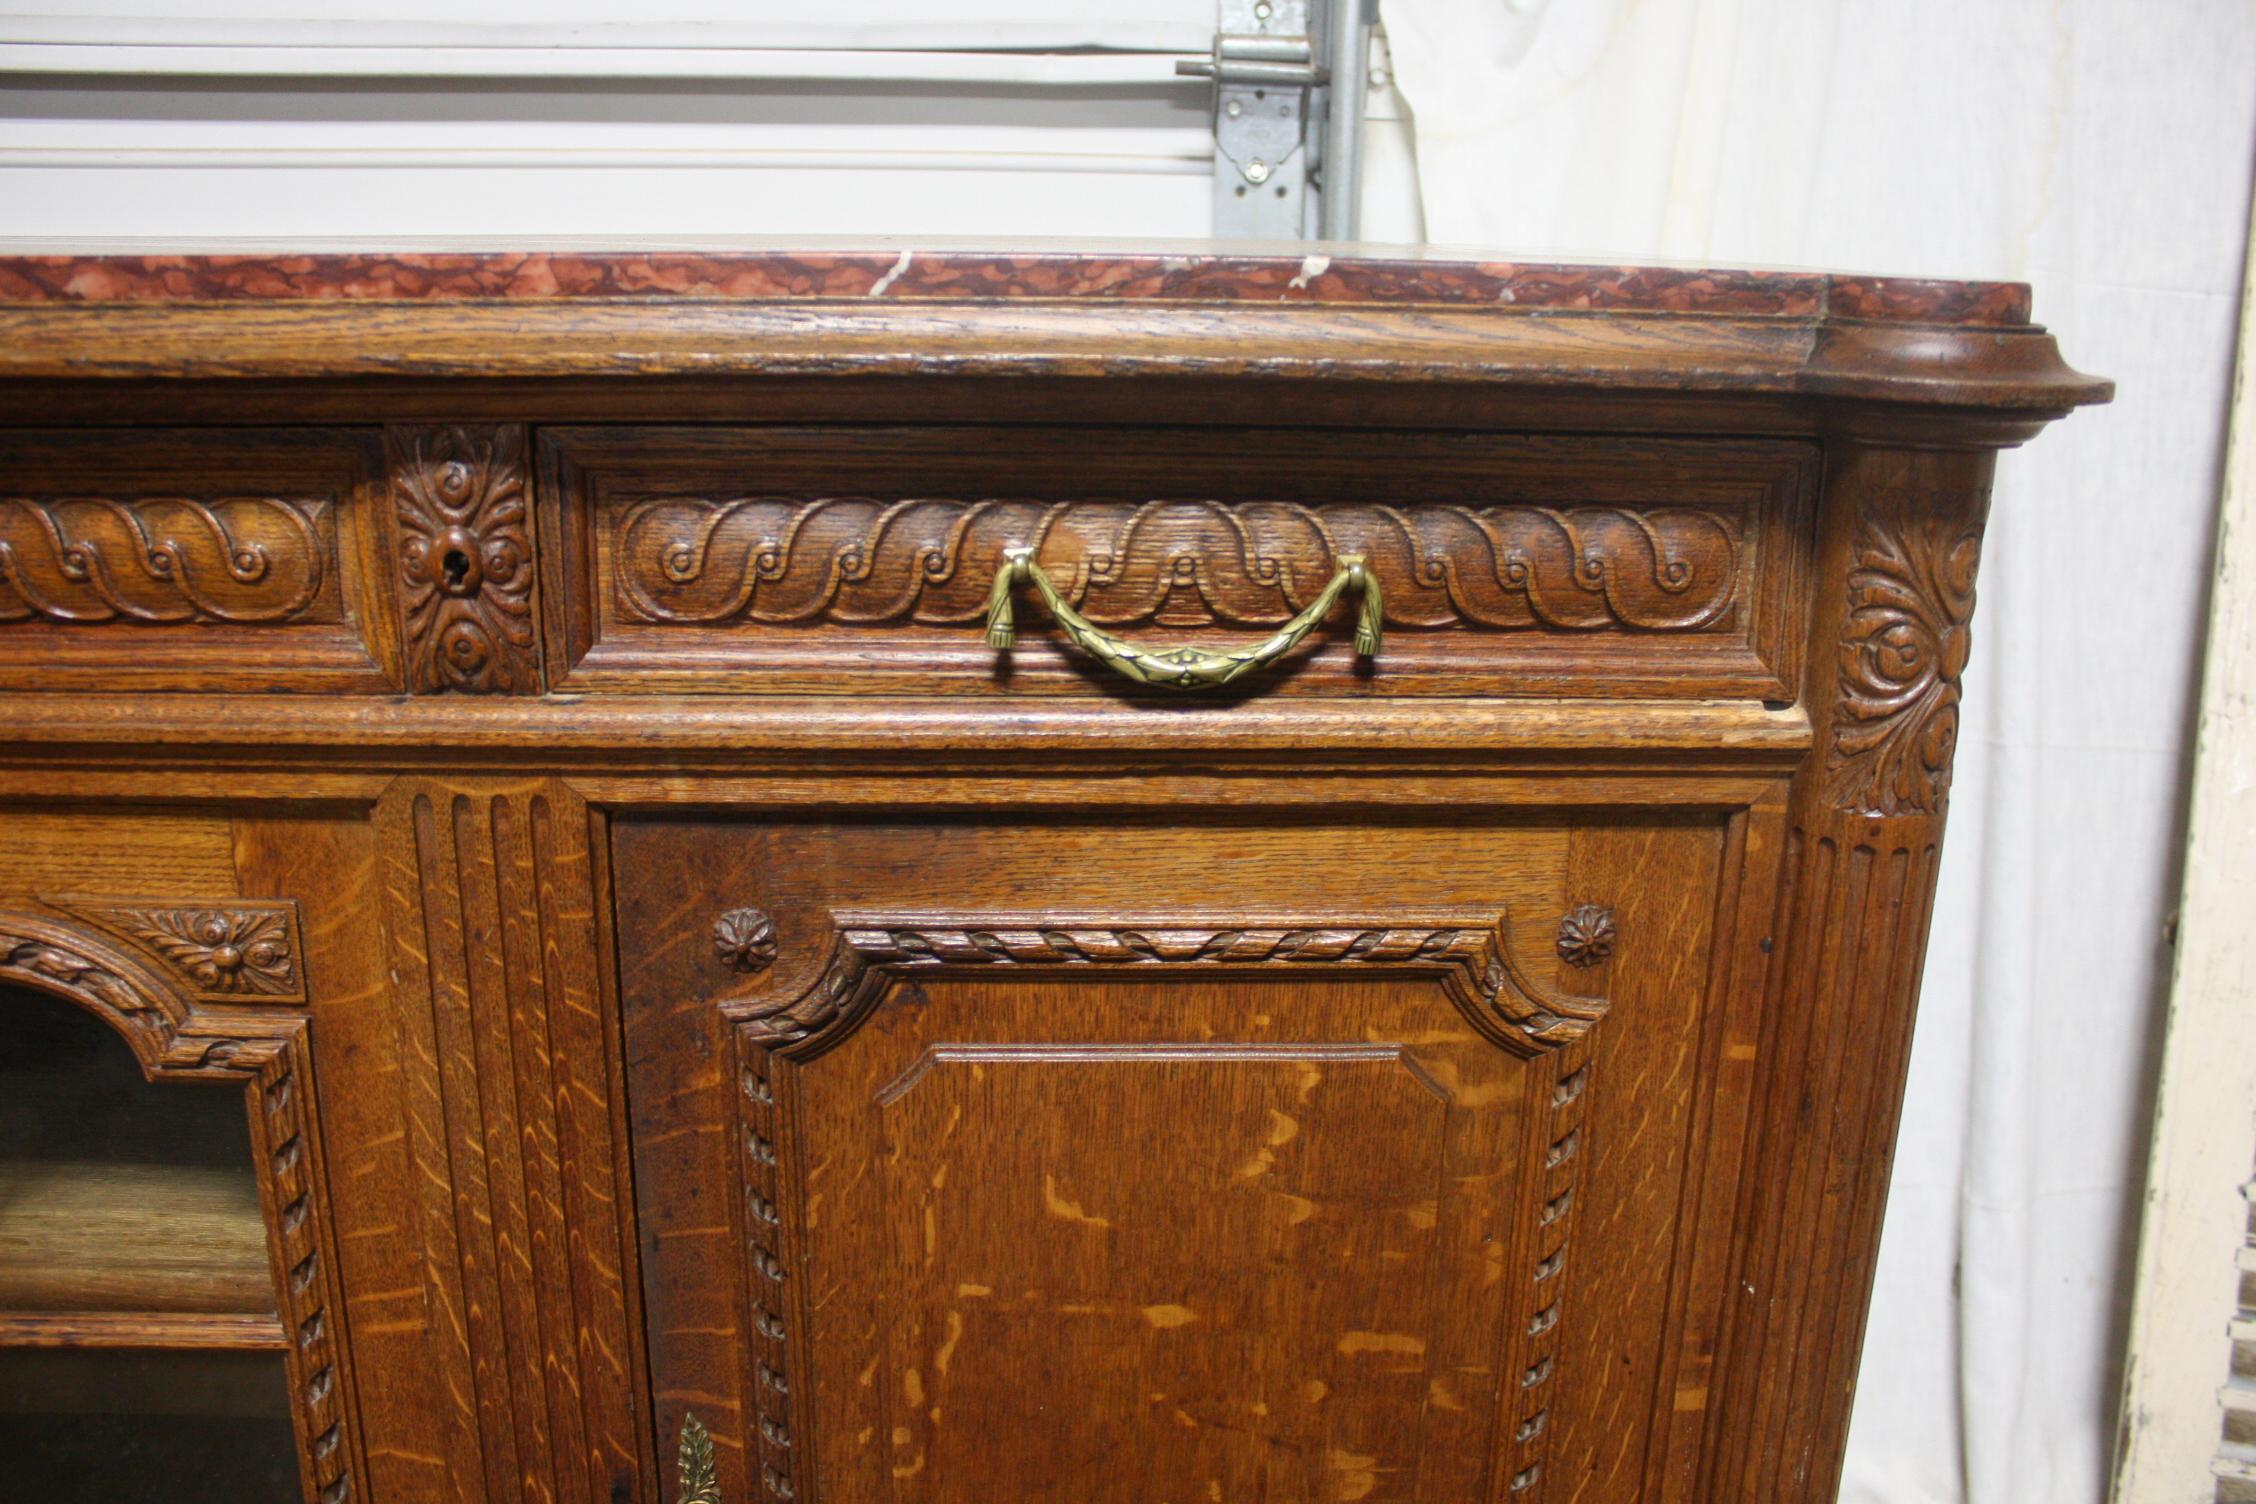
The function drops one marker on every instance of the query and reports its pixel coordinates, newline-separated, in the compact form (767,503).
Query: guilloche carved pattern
(176,1034)
(1904,646)
(461,513)
(231,951)
(1472,958)
(857,561)
(160,559)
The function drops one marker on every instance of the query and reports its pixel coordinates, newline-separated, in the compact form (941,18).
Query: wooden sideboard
(1133,877)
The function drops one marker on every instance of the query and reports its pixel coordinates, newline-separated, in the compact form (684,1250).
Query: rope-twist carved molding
(1532,1376)
(304,1294)
(1472,959)
(55,967)
(863,561)
(160,1024)
(767,1353)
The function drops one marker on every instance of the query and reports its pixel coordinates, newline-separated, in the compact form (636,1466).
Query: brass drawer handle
(1180,668)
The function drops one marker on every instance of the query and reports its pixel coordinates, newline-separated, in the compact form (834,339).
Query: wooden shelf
(91,1254)
(161,1330)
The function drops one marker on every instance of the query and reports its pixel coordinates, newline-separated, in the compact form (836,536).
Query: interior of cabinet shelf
(132,1255)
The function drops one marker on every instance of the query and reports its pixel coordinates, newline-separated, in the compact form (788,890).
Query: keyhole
(460,571)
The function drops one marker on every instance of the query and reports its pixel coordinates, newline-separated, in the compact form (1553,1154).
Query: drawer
(834,560)
(215,559)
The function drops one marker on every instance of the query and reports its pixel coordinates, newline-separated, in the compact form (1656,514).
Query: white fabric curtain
(2101,150)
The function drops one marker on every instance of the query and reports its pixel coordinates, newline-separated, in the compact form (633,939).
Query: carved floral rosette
(459,499)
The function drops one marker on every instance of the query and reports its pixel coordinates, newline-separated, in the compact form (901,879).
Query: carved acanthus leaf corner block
(1904,646)
(229,950)
(745,940)
(460,506)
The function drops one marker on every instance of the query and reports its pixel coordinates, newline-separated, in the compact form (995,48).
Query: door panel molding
(1468,954)
(1468,951)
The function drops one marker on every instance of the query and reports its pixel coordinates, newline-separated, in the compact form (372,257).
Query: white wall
(282,121)
(2099,149)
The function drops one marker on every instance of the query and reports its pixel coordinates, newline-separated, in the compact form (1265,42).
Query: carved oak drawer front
(220,559)
(829,560)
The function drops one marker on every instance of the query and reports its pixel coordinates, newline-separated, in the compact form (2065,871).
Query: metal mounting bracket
(1268,130)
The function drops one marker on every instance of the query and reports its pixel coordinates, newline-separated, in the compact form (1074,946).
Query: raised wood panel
(1184,1236)
(193,559)
(790,560)
(1128,1207)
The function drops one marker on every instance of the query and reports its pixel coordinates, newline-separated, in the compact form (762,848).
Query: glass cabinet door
(141,1354)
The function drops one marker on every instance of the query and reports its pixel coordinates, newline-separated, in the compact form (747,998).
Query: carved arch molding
(1468,955)
(205,991)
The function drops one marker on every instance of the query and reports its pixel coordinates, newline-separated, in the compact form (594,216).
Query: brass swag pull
(1181,668)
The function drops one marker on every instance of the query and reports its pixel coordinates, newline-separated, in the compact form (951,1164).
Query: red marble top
(1322,274)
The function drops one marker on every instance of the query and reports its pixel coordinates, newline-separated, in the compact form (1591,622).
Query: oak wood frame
(177,1034)
(1833,800)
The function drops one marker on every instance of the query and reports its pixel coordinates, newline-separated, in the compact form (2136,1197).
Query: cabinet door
(1109,1159)
(141,1344)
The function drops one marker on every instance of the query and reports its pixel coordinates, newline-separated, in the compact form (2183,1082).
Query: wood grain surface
(789,560)
(674,968)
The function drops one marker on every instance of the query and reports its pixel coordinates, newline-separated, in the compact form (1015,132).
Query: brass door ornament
(699,1483)
(1181,668)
